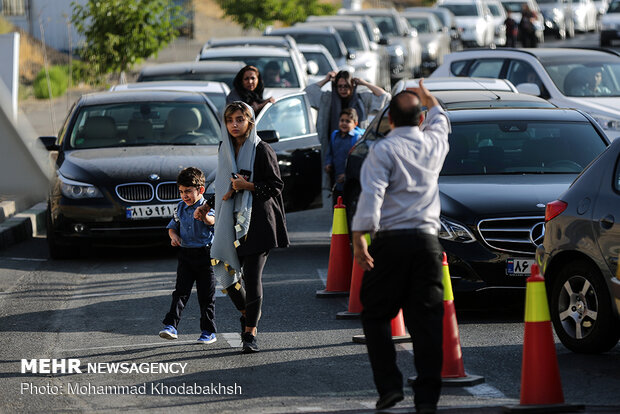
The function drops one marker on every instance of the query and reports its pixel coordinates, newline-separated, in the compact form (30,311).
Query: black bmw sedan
(118,155)
(503,167)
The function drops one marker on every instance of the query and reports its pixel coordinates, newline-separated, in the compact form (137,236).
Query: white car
(585,15)
(610,24)
(569,78)
(457,84)
(215,91)
(474,19)
(323,59)
(433,38)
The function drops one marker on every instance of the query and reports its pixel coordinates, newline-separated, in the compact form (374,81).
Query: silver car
(431,34)
(212,71)
(558,16)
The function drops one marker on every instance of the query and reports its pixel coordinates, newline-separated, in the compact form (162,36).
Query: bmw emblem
(537,233)
(153,177)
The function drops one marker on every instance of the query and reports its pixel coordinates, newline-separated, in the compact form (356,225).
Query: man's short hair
(191,177)
(351,112)
(403,111)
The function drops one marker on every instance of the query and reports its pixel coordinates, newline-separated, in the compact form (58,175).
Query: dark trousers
(194,266)
(407,274)
(249,297)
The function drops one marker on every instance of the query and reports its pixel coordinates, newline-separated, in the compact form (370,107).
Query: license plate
(519,267)
(150,211)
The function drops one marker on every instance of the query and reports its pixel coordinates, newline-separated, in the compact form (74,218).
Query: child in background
(194,238)
(340,143)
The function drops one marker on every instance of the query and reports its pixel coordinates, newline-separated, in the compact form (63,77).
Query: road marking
(308,409)
(26,259)
(485,391)
(167,343)
(218,293)
(322,275)
(233,339)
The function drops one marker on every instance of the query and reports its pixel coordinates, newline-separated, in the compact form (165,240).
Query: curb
(21,226)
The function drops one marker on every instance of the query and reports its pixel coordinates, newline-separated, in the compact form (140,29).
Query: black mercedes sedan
(118,155)
(503,167)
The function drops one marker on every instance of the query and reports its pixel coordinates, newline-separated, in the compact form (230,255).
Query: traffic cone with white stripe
(340,259)
(354,310)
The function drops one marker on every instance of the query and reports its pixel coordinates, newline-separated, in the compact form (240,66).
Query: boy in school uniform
(340,143)
(194,238)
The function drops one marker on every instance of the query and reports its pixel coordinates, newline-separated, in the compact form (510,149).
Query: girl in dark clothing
(527,30)
(248,87)
(250,218)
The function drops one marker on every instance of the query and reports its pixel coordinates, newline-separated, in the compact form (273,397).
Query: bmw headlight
(607,123)
(455,232)
(77,190)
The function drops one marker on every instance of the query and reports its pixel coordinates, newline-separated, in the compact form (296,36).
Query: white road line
(233,339)
(218,293)
(167,343)
(308,409)
(26,259)
(322,275)
(485,391)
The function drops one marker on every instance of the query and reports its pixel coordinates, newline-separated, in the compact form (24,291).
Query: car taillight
(554,208)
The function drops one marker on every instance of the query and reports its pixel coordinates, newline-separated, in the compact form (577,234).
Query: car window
(330,42)
(351,39)
(421,24)
(522,72)
(287,116)
(387,25)
(617,176)
(457,68)
(495,10)
(226,77)
(513,6)
(320,60)
(486,68)
(462,9)
(588,79)
(520,147)
(614,7)
(287,69)
(144,123)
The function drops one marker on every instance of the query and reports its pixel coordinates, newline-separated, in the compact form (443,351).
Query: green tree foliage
(257,14)
(120,33)
(58,82)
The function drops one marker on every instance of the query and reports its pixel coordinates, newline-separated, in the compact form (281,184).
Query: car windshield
(330,42)
(421,24)
(495,10)
(287,70)
(226,77)
(351,39)
(387,25)
(521,147)
(462,9)
(614,7)
(546,1)
(585,77)
(320,60)
(513,6)
(144,123)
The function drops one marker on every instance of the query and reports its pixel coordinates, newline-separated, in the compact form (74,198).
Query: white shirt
(399,177)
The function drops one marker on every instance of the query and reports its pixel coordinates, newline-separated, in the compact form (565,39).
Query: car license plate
(150,211)
(519,267)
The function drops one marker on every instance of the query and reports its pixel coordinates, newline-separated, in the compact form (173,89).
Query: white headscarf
(232,217)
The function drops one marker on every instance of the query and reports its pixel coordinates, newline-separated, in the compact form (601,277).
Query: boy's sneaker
(169,332)
(207,337)
(249,343)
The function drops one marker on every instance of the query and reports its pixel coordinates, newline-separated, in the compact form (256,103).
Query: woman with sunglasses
(343,94)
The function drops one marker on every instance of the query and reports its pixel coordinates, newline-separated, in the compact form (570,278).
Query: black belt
(405,232)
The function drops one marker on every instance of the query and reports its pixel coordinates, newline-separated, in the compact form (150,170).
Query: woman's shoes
(249,345)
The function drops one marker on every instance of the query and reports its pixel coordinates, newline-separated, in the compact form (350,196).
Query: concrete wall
(9,68)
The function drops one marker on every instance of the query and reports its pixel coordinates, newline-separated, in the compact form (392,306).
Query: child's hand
(340,178)
(201,212)
(328,168)
(175,240)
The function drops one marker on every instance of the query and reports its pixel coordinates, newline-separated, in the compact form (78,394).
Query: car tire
(584,322)
(57,250)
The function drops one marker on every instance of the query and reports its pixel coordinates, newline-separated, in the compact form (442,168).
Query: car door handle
(607,222)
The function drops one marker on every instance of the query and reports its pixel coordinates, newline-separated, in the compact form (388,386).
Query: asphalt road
(107,308)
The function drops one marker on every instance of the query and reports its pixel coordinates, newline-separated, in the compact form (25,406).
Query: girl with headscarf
(248,87)
(249,219)
(343,94)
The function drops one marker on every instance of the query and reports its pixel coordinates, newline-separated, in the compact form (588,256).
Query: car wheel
(57,250)
(581,309)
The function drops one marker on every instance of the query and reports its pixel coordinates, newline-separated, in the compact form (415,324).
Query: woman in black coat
(248,87)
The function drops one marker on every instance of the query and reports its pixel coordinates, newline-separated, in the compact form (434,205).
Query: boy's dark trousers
(194,265)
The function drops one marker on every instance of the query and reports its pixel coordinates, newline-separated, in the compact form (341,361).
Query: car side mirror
(383,41)
(350,54)
(49,143)
(269,135)
(313,68)
(529,89)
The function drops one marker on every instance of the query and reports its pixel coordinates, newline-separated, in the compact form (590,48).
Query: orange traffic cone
(340,259)
(399,333)
(541,388)
(452,370)
(540,374)
(355,304)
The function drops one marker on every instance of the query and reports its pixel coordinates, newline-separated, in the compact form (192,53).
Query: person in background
(341,142)
(248,87)
(250,218)
(527,29)
(344,94)
(399,206)
(194,261)
(511,30)
(272,76)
